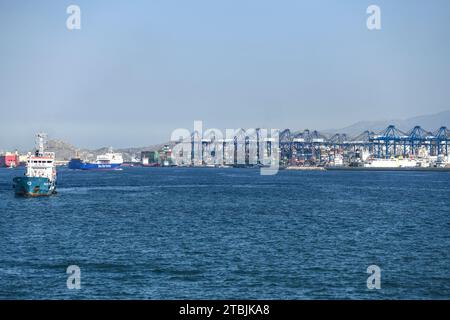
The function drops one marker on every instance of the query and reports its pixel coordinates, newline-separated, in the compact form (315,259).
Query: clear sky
(139,69)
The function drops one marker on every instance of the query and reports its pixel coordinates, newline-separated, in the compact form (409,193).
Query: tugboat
(40,176)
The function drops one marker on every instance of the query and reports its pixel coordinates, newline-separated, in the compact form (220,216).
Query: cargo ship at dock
(40,175)
(107,161)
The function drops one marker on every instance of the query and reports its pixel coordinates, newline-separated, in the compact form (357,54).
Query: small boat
(40,175)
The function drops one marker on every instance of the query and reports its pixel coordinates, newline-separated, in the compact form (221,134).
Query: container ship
(107,161)
(40,175)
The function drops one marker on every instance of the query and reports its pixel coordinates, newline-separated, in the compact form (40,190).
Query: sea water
(205,233)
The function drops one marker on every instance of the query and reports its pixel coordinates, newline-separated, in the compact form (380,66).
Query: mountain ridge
(430,122)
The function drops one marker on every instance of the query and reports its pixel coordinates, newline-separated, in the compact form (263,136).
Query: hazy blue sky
(139,69)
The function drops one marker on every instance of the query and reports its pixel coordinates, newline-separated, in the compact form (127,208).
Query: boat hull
(33,186)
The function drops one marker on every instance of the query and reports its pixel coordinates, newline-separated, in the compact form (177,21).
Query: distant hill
(428,122)
(63,150)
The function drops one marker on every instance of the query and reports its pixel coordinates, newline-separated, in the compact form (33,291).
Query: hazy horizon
(136,71)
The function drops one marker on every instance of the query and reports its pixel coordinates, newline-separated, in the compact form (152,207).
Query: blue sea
(204,233)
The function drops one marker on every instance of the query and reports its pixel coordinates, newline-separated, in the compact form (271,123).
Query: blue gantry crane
(249,147)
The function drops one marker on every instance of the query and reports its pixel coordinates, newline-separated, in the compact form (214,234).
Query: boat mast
(40,143)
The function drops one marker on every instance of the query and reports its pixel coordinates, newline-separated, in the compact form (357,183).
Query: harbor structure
(389,147)
(150,158)
(157,158)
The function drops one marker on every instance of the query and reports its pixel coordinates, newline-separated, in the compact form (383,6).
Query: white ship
(391,163)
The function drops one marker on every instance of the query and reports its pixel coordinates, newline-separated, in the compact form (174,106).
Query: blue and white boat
(107,161)
(40,175)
